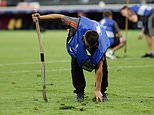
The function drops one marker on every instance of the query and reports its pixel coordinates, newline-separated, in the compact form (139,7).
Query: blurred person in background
(81,13)
(143,2)
(3,3)
(145,14)
(140,23)
(86,44)
(116,38)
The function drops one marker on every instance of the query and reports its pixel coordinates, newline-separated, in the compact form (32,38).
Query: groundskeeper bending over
(86,43)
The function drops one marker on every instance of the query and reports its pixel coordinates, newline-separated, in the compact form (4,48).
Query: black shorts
(146,30)
(116,42)
(149,26)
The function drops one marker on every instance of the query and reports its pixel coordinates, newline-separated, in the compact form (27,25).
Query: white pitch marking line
(132,66)
(32,63)
(29,71)
(62,69)
(53,61)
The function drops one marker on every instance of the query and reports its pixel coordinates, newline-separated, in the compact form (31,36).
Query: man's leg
(120,44)
(104,79)
(78,79)
(149,33)
(149,41)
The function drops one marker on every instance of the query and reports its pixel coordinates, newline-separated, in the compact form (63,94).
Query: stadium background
(16,14)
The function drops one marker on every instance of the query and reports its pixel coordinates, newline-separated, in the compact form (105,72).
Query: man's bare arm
(133,18)
(120,34)
(99,74)
(51,17)
(37,16)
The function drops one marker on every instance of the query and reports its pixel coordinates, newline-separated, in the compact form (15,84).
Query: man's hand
(35,17)
(140,36)
(98,95)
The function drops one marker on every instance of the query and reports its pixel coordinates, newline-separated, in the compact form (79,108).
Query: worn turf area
(131,78)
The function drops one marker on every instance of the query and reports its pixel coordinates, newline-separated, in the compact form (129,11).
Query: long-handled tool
(126,31)
(42,59)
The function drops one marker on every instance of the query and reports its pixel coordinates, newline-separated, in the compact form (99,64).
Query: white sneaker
(110,54)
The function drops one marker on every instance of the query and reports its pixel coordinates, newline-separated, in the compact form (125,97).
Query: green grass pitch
(131,78)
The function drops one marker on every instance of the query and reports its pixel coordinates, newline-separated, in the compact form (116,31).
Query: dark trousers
(78,79)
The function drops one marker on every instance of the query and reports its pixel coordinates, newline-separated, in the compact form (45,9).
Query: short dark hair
(91,37)
(107,13)
(124,7)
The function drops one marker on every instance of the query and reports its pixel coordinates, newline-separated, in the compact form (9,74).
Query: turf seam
(68,69)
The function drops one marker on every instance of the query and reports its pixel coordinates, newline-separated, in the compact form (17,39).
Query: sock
(149,53)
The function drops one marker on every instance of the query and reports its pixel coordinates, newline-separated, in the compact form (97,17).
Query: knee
(123,42)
